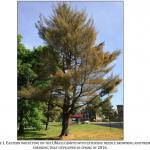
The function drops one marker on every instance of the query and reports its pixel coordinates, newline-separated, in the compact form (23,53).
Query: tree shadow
(31,134)
(42,138)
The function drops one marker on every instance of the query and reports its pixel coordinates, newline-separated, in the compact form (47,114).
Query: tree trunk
(65,115)
(48,115)
(21,124)
(65,124)
(21,128)
(47,122)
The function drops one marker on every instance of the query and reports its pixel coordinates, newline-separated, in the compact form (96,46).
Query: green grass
(76,132)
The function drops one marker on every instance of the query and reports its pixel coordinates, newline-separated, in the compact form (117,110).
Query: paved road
(111,124)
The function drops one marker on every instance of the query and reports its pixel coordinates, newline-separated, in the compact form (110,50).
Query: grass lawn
(77,132)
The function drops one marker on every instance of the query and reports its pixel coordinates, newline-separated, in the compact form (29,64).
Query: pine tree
(83,68)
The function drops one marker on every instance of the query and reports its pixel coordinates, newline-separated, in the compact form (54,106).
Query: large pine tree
(83,68)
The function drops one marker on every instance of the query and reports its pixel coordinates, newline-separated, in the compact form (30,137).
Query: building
(84,115)
(120,112)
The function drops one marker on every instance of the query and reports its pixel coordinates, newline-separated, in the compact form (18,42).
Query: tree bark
(65,124)
(21,128)
(47,115)
(21,124)
(47,122)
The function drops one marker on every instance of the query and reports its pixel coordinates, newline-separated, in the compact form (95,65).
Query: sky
(108,21)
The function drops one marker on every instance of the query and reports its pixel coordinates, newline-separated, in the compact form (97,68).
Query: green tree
(40,89)
(25,74)
(82,65)
(29,112)
(52,112)
(107,108)
(108,111)
(45,64)
(94,108)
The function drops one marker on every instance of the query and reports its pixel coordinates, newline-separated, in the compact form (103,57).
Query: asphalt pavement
(110,124)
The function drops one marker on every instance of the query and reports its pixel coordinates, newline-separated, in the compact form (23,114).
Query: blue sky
(108,21)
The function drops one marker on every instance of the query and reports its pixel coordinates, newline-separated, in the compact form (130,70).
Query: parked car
(86,122)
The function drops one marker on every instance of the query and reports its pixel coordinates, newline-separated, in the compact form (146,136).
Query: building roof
(76,116)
